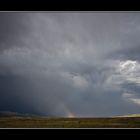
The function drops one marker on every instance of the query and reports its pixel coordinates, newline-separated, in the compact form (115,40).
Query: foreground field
(36,122)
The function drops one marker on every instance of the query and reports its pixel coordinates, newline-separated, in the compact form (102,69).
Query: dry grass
(38,122)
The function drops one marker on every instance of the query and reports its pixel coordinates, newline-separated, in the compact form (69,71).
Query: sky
(70,64)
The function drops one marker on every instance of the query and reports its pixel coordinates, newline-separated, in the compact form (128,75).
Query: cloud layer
(70,64)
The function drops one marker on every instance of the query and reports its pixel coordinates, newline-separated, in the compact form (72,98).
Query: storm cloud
(70,64)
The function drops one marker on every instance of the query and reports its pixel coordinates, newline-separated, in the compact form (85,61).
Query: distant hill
(129,115)
(15,114)
(8,114)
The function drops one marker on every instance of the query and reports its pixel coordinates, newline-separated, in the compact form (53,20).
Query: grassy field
(38,122)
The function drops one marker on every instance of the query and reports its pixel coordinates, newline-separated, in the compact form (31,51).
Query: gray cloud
(64,64)
(12,27)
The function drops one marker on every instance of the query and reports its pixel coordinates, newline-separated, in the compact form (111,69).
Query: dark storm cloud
(11,29)
(60,64)
(131,53)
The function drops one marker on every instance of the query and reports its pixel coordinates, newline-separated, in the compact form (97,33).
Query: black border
(78,6)
(65,5)
(69,133)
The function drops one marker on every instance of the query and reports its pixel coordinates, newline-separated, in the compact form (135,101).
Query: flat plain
(44,122)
